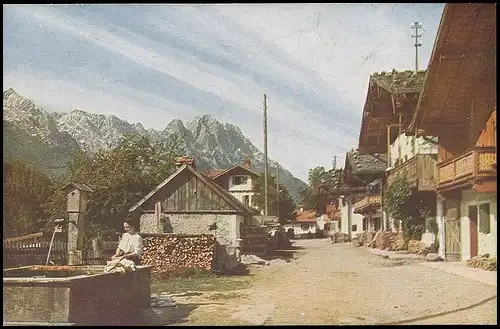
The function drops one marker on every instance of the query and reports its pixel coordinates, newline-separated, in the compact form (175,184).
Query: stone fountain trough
(72,295)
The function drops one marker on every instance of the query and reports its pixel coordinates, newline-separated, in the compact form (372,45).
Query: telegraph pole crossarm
(417,26)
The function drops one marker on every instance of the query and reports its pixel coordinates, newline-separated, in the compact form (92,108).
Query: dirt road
(338,284)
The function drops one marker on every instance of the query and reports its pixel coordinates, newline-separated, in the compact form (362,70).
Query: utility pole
(278,192)
(265,154)
(416,25)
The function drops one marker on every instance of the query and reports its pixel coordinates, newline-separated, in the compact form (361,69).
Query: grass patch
(228,295)
(211,283)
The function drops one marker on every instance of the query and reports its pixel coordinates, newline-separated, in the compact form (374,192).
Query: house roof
(332,212)
(397,82)
(389,95)
(366,163)
(235,203)
(461,74)
(213,174)
(305,216)
(79,186)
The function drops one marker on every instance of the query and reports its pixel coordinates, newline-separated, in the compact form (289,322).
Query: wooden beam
(484,187)
(198,211)
(444,129)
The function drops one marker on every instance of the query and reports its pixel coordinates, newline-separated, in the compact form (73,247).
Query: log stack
(170,254)
(485,263)
(387,240)
(419,248)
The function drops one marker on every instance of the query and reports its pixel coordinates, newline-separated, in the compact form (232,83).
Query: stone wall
(226,233)
(149,224)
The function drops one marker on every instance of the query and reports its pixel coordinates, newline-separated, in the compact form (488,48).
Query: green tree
(283,199)
(317,176)
(313,199)
(122,176)
(405,206)
(27,195)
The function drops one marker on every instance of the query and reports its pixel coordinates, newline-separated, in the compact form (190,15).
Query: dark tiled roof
(366,163)
(399,80)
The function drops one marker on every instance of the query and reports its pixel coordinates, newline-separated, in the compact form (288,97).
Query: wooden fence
(31,252)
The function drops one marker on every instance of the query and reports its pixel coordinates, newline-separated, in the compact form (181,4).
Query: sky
(155,63)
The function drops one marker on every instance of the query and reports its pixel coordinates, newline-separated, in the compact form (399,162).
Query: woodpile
(170,254)
(483,262)
(366,237)
(338,237)
(387,240)
(420,248)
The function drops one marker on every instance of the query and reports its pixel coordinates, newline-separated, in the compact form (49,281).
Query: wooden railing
(368,202)
(420,172)
(477,163)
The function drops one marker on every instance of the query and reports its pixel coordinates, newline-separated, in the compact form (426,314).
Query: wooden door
(452,237)
(473,230)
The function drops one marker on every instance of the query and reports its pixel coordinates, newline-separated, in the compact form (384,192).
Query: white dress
(131,243)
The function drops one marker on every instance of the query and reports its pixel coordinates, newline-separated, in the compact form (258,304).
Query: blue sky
(155,63)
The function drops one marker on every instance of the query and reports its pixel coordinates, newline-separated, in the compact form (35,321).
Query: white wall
(297,229)
(406,144)
(239,196)
(240,187)
(487,243)
(428,238)
(356,219)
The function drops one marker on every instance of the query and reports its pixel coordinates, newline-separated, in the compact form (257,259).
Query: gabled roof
(79,186)
(219,172)
(366,163)
(397,82)
(332,212)
(213,173)
(226,196)
(461,79)
(390,96)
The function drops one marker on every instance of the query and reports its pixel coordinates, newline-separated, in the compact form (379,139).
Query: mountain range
(47,140)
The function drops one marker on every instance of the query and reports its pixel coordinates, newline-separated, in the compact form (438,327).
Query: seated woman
(130,244)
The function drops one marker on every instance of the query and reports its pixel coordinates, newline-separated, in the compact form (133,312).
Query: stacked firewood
(483,262)
(173,253)
(366,237)
(419,248)
(386,240)
(338,237)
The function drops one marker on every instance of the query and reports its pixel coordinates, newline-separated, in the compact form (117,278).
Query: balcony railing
(368,203)
(420,172)
(480,163)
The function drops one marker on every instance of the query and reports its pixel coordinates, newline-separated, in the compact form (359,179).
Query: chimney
(247,163)
(179,161)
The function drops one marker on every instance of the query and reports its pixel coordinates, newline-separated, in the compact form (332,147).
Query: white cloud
(322,55)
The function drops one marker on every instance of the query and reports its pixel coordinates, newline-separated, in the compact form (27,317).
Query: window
(484,218)
(246,200)
(354,228)
(239,180)
(304,227)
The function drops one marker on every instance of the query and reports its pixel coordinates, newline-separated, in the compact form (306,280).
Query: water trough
(73,295)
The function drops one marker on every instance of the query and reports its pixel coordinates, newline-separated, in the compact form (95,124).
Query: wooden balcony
(420,172)
(367,204)
(478,164)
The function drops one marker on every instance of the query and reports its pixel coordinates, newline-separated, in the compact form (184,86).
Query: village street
(329,283)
